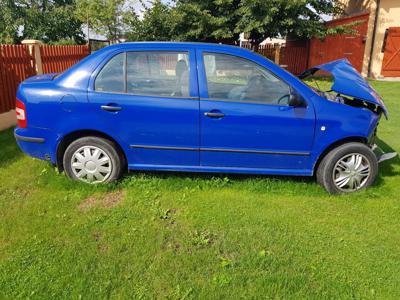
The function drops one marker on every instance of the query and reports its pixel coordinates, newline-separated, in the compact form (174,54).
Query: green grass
(172,235)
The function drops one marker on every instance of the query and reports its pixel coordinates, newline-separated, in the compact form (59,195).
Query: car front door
(246,120)
(148,98)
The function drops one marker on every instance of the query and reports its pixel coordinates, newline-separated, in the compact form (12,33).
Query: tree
(207,20)
(224,20)
(52,21)
(158,23)
(106,17)
(45,20)
(300,18)
(9,21)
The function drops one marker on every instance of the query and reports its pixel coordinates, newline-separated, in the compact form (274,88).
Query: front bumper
(382,155)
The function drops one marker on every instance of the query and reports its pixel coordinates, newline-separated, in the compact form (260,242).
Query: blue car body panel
(172,133)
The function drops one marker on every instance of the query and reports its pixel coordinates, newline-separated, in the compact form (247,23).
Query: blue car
(200,108)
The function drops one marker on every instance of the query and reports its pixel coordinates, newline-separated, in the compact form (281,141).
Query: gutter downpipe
(371,54)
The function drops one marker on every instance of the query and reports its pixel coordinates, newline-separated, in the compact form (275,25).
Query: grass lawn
(173,235)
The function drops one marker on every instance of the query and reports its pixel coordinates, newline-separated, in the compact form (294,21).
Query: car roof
(172,45)
(166,44)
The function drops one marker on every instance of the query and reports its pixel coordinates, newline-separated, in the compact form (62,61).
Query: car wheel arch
(72,136)
(330,147)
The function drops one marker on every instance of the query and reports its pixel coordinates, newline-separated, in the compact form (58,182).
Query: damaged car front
(351,90)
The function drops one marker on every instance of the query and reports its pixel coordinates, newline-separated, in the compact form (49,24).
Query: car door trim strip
(164,147)
(221,150)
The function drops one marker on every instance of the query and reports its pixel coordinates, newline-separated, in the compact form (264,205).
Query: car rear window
(158,73)
(152,73)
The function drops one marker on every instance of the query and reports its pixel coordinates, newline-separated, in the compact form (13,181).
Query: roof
(171,45)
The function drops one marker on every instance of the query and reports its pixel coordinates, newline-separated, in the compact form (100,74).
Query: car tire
(93,160)
(348,168)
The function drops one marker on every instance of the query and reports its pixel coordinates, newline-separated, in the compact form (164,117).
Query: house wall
(389,16)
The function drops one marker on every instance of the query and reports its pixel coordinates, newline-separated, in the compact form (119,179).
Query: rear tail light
(21,113)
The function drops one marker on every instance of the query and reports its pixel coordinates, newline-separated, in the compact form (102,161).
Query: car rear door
(149,99)
(246,120)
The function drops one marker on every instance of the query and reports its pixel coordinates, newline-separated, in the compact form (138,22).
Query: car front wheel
(348,168)
(92,160)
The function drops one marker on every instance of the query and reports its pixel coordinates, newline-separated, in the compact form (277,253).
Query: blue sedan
(202,108)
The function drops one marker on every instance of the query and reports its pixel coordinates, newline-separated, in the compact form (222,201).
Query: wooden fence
(293,59)
(17,62)
(56,59)
(268,50)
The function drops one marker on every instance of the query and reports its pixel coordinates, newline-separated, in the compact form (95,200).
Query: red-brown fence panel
(56,59)
(16,64)
(267,50)
(293,59)
(339,46)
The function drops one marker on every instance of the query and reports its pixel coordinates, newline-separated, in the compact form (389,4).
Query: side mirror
(296,100)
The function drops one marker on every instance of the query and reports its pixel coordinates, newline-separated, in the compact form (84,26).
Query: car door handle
(111,108)
(211,114)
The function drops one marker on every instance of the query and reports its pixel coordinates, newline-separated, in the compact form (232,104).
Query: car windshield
(319,84)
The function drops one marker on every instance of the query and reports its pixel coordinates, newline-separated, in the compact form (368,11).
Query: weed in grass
(202,238)
(225,262)
(222,280)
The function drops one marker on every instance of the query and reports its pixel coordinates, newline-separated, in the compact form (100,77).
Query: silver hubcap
(351,172)
(91,164)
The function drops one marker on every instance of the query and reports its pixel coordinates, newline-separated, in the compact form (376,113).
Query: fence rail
(17,62)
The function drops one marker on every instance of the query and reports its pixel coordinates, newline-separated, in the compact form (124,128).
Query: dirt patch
(112,199)
(88,203)
(108,200)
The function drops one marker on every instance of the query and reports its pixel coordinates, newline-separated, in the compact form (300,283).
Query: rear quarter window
(111,77)
(154,73)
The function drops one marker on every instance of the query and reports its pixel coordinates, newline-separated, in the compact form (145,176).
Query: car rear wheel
(348,168)
(92,160)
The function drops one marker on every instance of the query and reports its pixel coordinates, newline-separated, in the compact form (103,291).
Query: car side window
(236,79)
(111,77)
(158,73)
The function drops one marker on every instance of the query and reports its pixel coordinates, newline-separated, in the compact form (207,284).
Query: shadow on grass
(212,175)
(9,151)
(386,169)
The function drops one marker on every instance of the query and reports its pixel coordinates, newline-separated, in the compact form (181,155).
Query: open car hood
(348,81)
